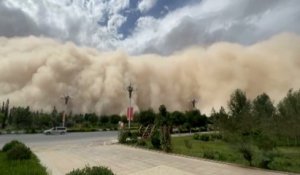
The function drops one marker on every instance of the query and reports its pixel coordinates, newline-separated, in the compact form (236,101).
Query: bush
(92,171)
(155,140)
(141,142)
(123,135)
(196,136)
(267,159)
(10,145)
(132,137)
(188,144)
(265,143)
(216,136)
(204,137)
(82,130)
(128,137)
(209,154)
(31,131)
(215,155)
(247,153)
(19,152)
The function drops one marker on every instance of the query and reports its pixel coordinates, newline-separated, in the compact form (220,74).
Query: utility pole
(130,90)
(66,99)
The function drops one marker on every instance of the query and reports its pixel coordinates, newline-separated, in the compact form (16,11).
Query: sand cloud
(38,71)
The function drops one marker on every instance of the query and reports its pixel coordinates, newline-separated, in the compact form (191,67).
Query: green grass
(286,159)
(222,150)
(21,167)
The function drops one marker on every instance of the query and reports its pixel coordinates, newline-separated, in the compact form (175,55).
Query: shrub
(10,145)
(155,140)
(204,137)
(247,153)
(141,142)
(196,136)
(19,152)
(265,143)
(215,155)
(188,144)
(31,131)
(132,137)
(216,136)
(123,135)
(8,131)
(92,171)
(268,158)
(209,154)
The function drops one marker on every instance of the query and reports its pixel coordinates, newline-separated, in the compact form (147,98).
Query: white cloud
(115,22)
(146,5)
(75,20)
(210,21)
(206,22)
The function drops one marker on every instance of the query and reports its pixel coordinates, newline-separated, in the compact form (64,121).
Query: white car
(56,130)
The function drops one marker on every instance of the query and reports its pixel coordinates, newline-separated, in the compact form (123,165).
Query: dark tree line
(23,118)
(184,121)
(4,113)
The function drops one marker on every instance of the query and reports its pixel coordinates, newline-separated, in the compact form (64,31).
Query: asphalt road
(42,139)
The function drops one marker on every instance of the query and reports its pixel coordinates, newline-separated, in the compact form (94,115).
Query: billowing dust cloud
(37,72)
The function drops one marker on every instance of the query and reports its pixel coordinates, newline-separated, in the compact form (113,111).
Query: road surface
(63,153)
(42,139)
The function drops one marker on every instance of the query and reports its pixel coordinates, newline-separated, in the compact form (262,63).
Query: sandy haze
(38,71)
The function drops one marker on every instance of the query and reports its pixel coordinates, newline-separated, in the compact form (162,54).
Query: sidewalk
(124,160)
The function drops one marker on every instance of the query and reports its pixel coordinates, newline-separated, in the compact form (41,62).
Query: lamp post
(130,90)
(66,99)
(194,101)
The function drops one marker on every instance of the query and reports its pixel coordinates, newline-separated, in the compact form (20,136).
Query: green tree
(164,122)
(178,118)
(1,118)
(41,120)
(104,119)
(55,117)
(196,119)
(146,117)
(263,112)
(21,117)
(238,104)
(78,118)
(91,118)
(289,113)
(219,119)
(124,119)
(114,119)
(240,120)
(5,111)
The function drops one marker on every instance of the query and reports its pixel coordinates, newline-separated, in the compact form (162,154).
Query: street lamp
(130,90)
(66,99)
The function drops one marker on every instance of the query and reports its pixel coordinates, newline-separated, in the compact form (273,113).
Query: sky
(149,26)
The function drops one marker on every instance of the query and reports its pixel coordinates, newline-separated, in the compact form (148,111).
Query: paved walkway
(123,160)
